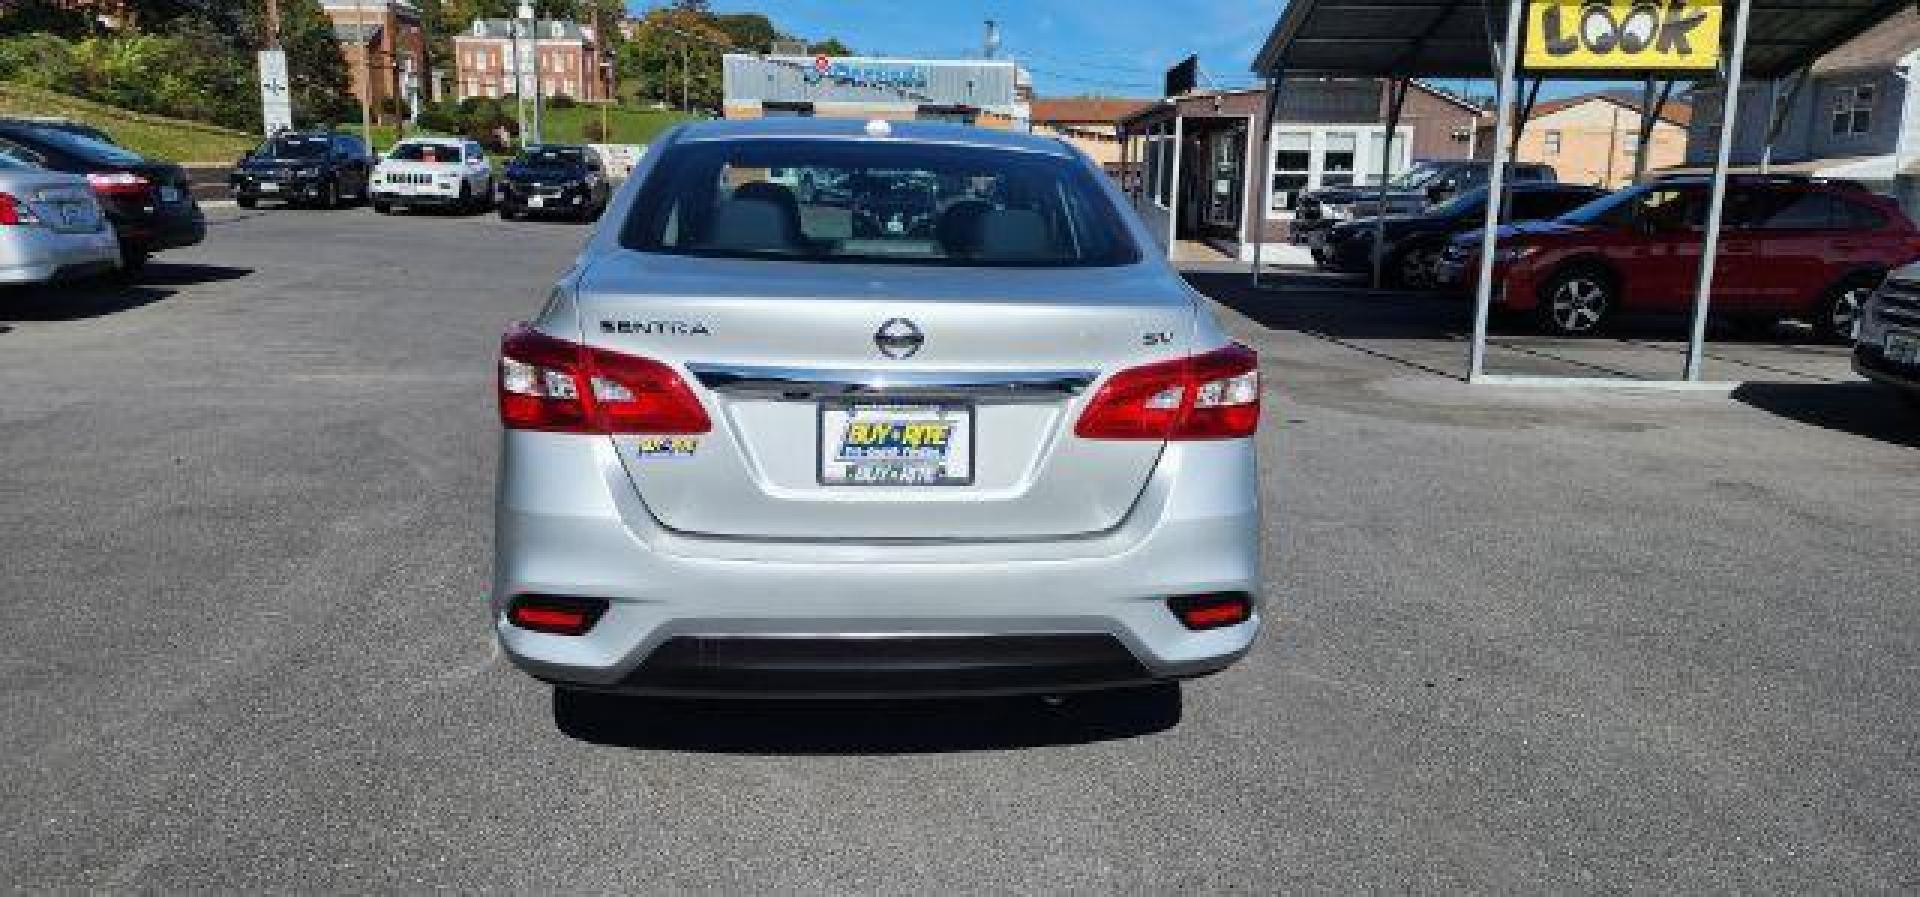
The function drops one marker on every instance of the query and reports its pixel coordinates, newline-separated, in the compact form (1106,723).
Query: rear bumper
(999,617)
(416,199)
(172,230)
(39,255)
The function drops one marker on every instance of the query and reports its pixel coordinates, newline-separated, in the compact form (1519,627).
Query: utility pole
(519,79)
(273,24)
(684,106)
(366,98)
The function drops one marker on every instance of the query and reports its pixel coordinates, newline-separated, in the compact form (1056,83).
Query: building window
(1292,169)
(1853,110)
(1338,162)
(1553,143)
(960,115)
(1308,158)
(776,109)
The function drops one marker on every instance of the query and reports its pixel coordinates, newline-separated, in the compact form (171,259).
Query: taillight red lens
(551,384)
(119,183)
(10,211)
(556,615)
(1211,396)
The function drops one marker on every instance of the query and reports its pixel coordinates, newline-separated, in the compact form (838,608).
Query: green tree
(829,47)
(44,17)
(748,31)
(316,68)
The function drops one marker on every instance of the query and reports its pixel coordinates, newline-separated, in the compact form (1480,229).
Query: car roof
(800,127)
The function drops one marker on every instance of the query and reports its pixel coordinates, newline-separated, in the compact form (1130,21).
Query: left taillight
(14,211)
(551,384)
(1211,396)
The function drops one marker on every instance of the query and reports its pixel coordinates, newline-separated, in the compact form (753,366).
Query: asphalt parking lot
(1520,640)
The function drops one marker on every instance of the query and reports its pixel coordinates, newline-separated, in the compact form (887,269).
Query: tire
(508,214)
(330,197)
(468,204)
(133,261)
(1411,268)
(1577,302)
(1839,310)
(246,202)
(382,208)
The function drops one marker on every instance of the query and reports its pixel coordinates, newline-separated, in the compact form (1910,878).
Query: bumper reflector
(555,615)
(1212,611)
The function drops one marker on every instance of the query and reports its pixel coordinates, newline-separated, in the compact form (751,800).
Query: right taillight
(1210,396)
(551,384)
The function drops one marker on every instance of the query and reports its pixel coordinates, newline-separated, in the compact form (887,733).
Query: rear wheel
(1412,268)
(1577,302)
(381,207)
(1840,310)
(330,196)
(246,202)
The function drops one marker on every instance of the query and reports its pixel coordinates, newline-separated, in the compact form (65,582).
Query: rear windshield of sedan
(876,201)
(86,149)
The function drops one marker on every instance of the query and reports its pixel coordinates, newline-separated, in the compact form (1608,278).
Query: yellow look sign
(1635,35)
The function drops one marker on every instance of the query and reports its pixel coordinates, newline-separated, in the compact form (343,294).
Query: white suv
(434,171)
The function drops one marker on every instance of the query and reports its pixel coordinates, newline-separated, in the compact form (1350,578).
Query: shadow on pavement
(1345,312)
(1861,409)
(863,727)
(110,295)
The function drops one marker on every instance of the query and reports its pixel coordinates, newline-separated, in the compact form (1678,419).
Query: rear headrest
(767,190)
(1014,234)
(754,225)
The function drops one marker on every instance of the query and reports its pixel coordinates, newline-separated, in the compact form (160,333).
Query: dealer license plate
(896,445)
(1903,347)
(534,202)
(269,187)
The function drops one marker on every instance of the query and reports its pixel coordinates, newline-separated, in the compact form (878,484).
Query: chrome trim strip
(815,383)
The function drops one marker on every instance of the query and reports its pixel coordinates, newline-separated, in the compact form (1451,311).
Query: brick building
(1092,124)
(1594,138)
(385,49)
(569,60)
(1192,161)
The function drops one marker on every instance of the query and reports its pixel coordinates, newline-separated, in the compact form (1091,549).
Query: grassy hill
(173,139)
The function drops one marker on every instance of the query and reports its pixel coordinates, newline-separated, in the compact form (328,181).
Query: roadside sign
(1623,35)
(276,100)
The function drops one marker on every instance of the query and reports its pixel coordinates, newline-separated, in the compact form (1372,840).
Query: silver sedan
(50,226)
(958,429)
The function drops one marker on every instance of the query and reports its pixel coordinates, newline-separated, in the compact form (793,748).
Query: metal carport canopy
(1450,38)
(1402,39)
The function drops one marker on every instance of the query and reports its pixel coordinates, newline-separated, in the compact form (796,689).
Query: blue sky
(1113,47)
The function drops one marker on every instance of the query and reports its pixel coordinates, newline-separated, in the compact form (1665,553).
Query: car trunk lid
(792,358)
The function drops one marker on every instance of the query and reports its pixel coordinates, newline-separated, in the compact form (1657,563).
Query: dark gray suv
(1410,192)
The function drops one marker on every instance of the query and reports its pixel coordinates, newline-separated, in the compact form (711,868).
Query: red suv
(1789,248)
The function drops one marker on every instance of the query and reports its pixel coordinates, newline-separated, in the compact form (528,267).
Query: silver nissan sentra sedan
(949,425)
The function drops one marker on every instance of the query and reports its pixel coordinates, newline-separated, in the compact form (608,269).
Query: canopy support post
(1509,60)
(1396,101)
(1729,117)
(1173,185)
(1777,117)
(1263,194)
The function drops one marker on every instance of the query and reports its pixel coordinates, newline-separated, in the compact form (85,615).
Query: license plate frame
(1902,347)
(536,202)
(955,465)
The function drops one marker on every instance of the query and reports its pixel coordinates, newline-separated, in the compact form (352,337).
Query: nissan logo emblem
(898,338)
